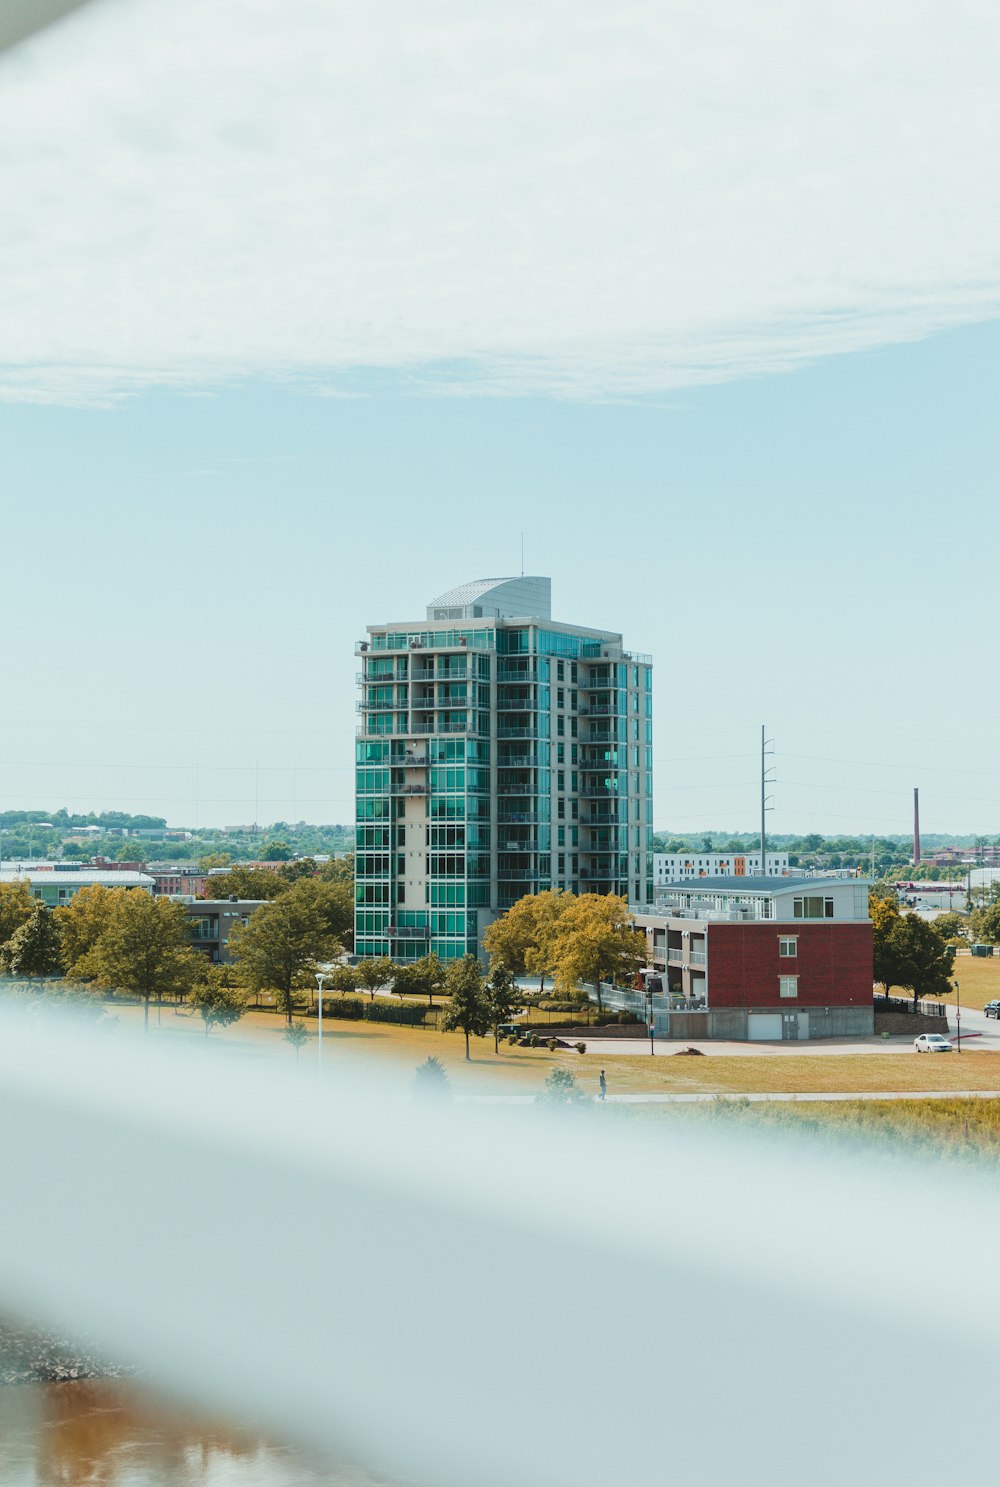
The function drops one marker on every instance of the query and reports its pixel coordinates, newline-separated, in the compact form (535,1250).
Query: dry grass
(516,1070)
(963,1130)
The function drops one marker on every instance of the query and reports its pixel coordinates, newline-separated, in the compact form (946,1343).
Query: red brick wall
(834,965)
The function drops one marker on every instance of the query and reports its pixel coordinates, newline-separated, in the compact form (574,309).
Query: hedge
(354,1009)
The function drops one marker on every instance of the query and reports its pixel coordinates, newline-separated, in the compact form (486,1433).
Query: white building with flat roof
(681,867)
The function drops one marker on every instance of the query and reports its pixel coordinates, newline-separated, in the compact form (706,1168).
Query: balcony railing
(505,730)
(599,710)
(408,789)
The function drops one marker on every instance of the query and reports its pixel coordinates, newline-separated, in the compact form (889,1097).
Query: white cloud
(575,198)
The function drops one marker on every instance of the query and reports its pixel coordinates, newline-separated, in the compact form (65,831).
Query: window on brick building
(788,946)
(788,986)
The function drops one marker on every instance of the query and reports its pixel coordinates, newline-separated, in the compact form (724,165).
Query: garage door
(764,1025)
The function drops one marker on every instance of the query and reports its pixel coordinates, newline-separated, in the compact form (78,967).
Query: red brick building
(758,959)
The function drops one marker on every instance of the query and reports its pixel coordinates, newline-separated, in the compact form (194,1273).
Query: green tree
(419,977)
(343,979)
(246,882)
(597,941)
(297,1034)
(985,923)
(524,939)
(952,926)
(921,961)
(16,907)
(144,950)
(217,998)
(32,952)
(83,920)
(214,859)
(275,851)
(503,1000)
(468,1011)
(373,972)
(279,946)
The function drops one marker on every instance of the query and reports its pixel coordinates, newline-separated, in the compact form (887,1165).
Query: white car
(931,1043)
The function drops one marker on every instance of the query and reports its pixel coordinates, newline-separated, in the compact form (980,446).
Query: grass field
(967,1130)
(978,980)
(516,1070)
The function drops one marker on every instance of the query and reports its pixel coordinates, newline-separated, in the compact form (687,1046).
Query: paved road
(981,1031)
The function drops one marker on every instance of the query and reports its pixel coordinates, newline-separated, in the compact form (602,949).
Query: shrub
(431,1080)
(552,1045)
(410,1014)
(561,1088)
(512,1038)
(580,1047)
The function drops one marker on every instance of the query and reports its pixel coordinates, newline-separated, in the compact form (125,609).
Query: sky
(313,309)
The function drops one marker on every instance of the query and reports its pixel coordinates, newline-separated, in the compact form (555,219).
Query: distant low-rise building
(680,867)
(54,884)
(213,921)
(177,880)
(756,959)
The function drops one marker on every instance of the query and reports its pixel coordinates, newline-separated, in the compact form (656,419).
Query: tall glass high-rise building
(499,753)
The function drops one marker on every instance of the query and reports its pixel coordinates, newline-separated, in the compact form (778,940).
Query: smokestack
(916,826)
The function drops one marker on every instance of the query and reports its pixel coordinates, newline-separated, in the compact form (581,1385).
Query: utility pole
(765,772)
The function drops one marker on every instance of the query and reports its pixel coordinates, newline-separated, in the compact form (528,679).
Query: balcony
(526,790)
(407,789)
(518,817)
(507,730)
(517,874)
(411,761)
(599,710)
(408,932)
(699,958)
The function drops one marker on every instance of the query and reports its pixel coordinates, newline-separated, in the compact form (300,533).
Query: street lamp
(320,978)
(958,1015)
(649,993)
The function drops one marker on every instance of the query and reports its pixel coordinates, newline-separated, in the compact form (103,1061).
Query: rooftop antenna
(766,801)
(522,554)
(916,826)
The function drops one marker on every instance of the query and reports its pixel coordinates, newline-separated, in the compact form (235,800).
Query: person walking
(604,1085)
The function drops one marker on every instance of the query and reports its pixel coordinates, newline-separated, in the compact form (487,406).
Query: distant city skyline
(718,335)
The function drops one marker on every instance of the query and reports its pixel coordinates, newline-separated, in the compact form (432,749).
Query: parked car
(992,1009)
(931,1043)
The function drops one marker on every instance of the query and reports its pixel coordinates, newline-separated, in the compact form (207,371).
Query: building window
(812,908)
(788,946)
(788,986)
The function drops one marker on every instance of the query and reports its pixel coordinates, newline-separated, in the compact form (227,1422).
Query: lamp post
(320,978)
(958,1015)
(649,993)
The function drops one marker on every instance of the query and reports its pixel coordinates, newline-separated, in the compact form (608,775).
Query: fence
(905,1004)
